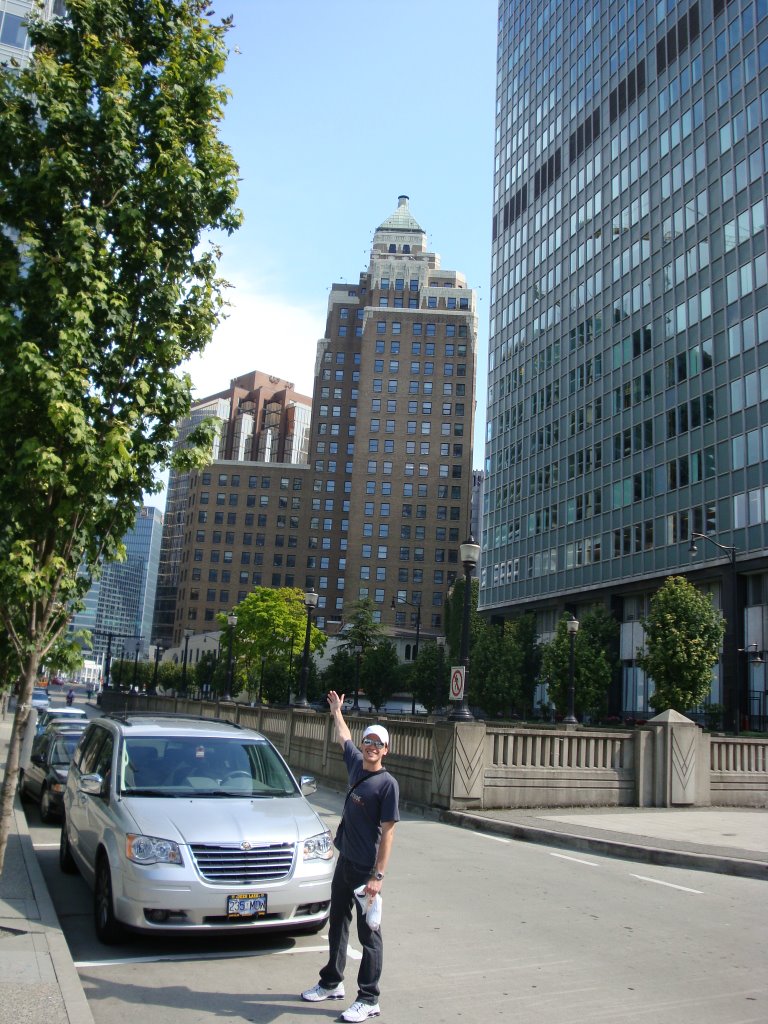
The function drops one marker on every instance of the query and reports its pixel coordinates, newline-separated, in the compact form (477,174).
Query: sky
(337,108)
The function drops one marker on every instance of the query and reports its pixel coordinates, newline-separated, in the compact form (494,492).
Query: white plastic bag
(371,907)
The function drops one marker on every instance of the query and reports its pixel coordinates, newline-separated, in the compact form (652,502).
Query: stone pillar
(458,765)
(678,765)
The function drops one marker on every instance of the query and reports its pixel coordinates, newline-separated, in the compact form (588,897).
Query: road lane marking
(669,885)
(46,846)
(496,839)
(576,860)
(353,954)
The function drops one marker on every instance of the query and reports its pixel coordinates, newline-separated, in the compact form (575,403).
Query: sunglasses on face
(373,743)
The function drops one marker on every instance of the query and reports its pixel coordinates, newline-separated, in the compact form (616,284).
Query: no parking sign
(457,682)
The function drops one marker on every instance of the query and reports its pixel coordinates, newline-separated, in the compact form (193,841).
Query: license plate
(248,904)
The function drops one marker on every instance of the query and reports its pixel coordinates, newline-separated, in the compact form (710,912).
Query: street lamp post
(731,643)
(401,600)
(356,703)
(261,677)
(572,625)
(187,634)
(310,603)
(231,622)
(135,666)
(470,553)
(107,662)
(158,655)
(440,641)
(753,658)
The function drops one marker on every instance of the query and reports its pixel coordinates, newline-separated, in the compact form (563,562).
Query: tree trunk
(21,720)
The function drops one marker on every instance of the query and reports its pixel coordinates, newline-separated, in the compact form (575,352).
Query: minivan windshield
(183,766)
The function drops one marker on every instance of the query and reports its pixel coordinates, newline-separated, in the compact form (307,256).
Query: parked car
(44,776)
(189,825)
(40,699)
(59,714)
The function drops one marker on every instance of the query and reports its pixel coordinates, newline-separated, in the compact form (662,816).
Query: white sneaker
(361,1011)
(318,993)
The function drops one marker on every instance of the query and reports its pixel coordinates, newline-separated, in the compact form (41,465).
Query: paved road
(477,927)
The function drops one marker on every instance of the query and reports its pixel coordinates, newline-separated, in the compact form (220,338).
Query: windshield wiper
(151,792)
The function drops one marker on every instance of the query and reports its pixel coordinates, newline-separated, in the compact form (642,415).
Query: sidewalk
(38,981)
(728,840)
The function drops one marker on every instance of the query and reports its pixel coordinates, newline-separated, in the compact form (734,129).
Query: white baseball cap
(377,730)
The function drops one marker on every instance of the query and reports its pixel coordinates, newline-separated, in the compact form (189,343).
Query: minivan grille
(236,866)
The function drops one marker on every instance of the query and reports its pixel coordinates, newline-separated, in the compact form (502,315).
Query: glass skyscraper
(120,604)
(628,357)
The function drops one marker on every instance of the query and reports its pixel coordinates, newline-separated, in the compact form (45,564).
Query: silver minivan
(188,825)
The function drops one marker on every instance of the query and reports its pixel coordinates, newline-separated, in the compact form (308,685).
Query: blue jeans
(346,878)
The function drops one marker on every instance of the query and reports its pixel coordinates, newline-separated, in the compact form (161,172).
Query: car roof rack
(124,716)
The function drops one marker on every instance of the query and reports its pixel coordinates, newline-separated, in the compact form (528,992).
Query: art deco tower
(391,438)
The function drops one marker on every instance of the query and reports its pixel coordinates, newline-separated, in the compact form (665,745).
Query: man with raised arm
(364,841)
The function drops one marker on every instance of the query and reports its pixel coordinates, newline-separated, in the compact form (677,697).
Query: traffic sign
(457,682)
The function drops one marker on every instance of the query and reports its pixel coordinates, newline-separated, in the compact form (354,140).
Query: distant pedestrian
(364,841)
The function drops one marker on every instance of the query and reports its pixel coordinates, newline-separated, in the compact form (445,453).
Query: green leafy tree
(65,656)
(454,618)
(168,677)
(429,678)
(126,673)
(205,672)
(111,170)
(683,635)
(362,629)
(339,673)
(527,661)
(493,682)
(592,668)
(278,682)
(269,622)
(379,675)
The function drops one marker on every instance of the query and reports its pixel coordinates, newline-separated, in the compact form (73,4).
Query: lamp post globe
(469,552)
(310,603)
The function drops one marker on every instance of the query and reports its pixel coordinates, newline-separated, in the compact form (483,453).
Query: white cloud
(262,332)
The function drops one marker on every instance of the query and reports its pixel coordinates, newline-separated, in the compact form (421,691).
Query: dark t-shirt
(374,801)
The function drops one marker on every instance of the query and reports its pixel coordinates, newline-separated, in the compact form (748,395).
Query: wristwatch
(378,875)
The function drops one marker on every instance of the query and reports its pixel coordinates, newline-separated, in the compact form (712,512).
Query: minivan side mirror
(308,785)
(93,785)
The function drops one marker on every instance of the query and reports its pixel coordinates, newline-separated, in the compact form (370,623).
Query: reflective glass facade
(628,367)
(121,602)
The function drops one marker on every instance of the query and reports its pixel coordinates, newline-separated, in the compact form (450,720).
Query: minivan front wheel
(108,928)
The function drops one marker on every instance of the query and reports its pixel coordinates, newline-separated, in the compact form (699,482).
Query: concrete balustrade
(738,769)
(464,765)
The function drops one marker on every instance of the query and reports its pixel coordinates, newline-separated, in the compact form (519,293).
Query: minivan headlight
(319,847)
(149,850)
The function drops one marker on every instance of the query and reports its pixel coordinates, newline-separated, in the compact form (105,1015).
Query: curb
(75,1004)
(610,847)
